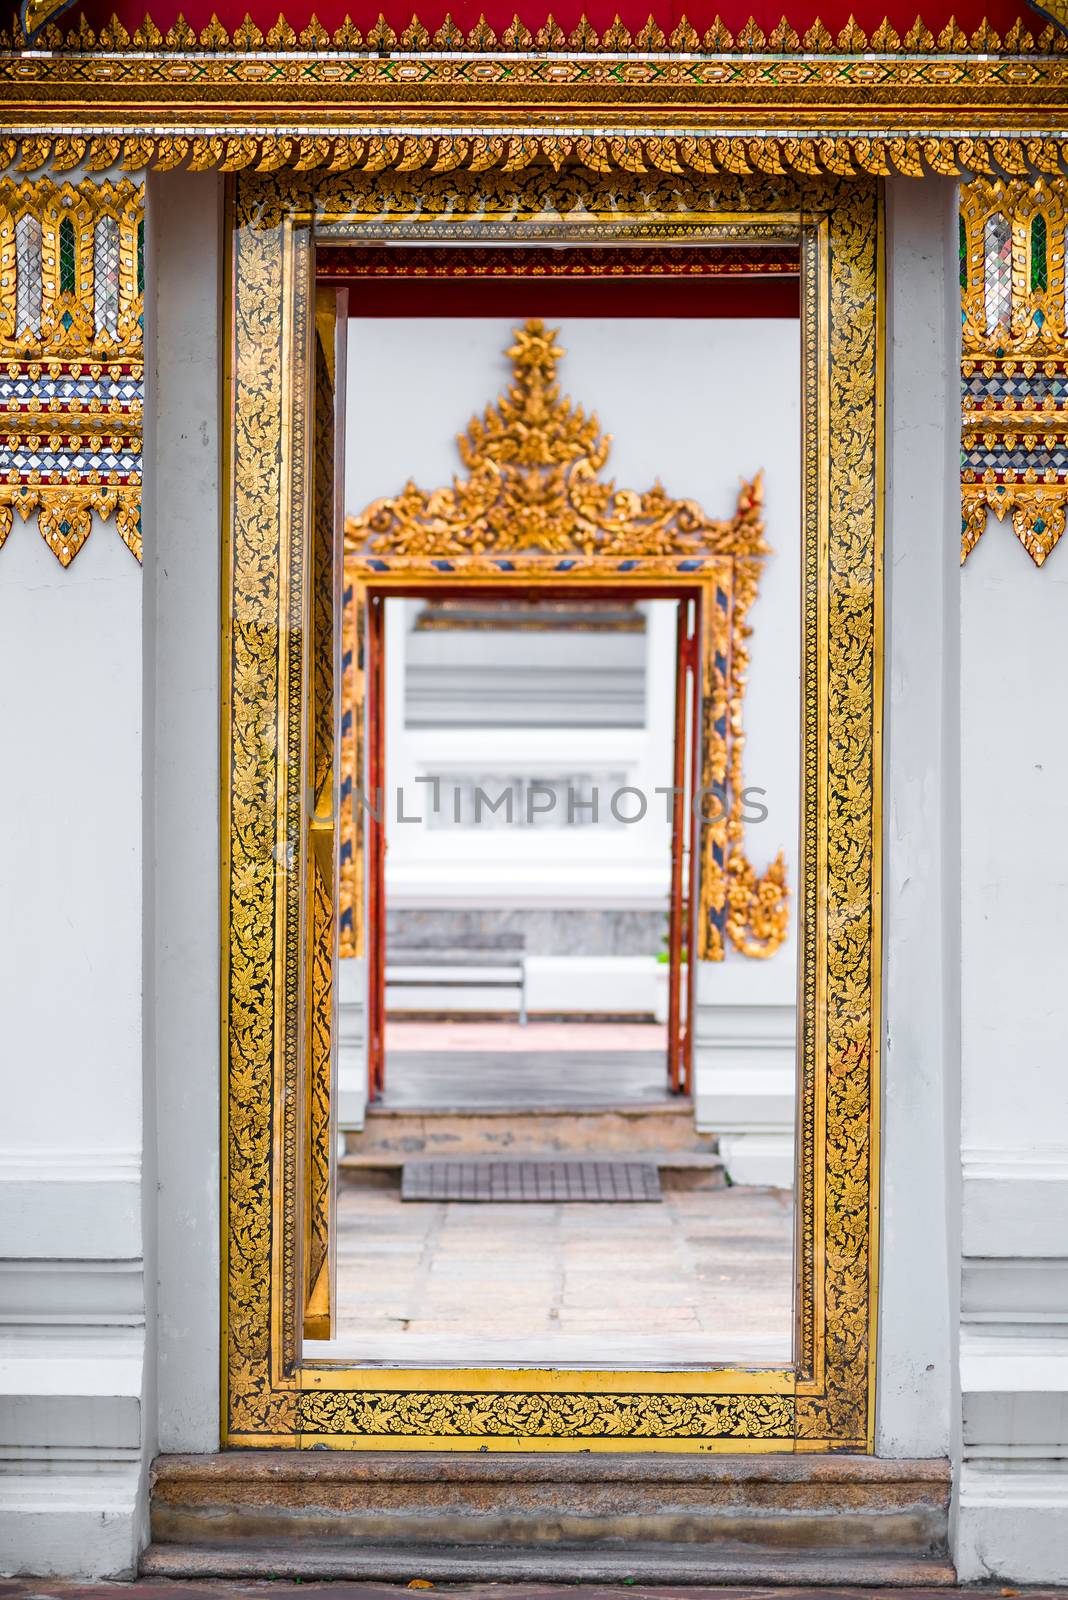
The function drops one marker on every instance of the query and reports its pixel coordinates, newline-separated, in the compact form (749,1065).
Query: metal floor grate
(544,1182)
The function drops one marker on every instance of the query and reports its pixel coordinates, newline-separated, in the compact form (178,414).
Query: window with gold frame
(273,1395)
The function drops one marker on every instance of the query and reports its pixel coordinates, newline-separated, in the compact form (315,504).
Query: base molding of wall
(72,1363)
(1011,1523)
(464,1516)
(76,1519)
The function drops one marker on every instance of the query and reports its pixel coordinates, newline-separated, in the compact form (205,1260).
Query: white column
(916,1392)
(182,567)
(72,1324)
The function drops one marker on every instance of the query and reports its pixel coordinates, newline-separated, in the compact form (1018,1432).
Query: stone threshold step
(808,1478)
(678,1106)
(652,1564)
(666,1518)
(609,1133)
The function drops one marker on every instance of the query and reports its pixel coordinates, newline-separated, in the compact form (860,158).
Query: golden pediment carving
(535,489)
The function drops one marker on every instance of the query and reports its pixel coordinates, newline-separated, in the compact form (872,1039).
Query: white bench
(495,962)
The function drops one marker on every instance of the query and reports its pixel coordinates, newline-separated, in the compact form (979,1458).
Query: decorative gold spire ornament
(535,492)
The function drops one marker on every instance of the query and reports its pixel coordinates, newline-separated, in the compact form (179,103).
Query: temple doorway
(530,850)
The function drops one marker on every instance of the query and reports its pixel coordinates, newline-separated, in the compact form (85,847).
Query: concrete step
(633,1564)
(592,1133)
(454,1517)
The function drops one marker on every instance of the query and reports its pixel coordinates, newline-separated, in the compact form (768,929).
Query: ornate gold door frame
(271,1394)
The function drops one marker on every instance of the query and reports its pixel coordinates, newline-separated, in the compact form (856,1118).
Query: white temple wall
(1013,1516)
(73,1372)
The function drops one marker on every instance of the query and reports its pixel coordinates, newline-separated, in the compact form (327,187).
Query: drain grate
(537,1182)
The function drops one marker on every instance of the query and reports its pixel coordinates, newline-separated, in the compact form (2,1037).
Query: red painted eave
(835,15)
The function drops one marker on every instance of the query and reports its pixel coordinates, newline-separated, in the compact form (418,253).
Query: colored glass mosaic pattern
(1014,374)
(72,359)
(997,269)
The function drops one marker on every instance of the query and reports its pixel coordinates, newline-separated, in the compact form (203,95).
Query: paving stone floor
(703,1276)
(279,1589)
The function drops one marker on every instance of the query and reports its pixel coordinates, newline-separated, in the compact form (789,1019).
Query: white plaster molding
(579,984)
(1018,1293)
(70,1204)
(1015,1202)
(50,1294)
(58,1522)
(64,1394)
(1011,1522)
(71,1438)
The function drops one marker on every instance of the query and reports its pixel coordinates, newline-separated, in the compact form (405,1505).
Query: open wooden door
(322,791)
(681,948)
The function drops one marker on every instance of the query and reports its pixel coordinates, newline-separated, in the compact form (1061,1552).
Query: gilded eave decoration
(1014,361)
(71,352)
(535,507)
(709,100)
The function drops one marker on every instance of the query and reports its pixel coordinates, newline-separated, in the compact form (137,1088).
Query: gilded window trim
(826,1400)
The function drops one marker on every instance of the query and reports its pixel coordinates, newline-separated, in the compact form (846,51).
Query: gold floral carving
(259,967)
(71,425)
(825,1399)
(1014,369)
(552,1417)
(322,730)
(847,926)
(535,505)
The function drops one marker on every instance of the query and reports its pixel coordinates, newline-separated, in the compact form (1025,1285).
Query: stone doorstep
(495,1564)
(540,1516)
(609,1132)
